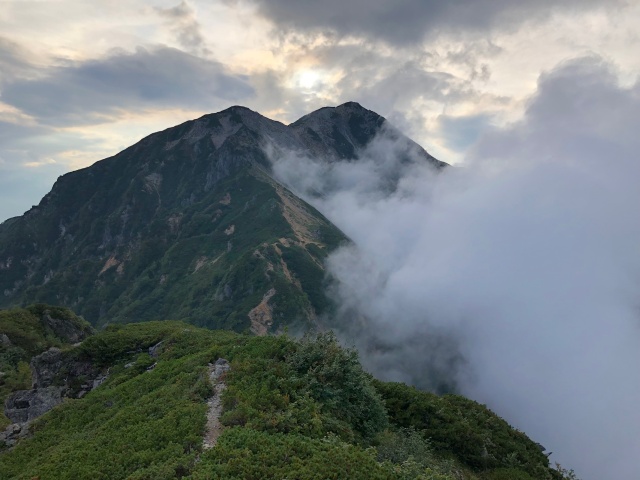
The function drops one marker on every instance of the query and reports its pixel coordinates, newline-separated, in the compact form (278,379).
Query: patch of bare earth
(204,261)
(261,316)
(111,262)
(214,427)
(200,263)
(285,242)
(285,268)
(297,216)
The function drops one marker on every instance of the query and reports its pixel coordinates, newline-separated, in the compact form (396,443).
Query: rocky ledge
(55,376)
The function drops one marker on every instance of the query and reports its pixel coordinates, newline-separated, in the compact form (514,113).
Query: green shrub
(245,454)
(333,376)
(507,474)
(456,425)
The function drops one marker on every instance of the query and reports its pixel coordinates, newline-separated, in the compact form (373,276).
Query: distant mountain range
(190,224)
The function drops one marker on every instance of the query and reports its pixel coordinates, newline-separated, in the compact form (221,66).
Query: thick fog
(513,279)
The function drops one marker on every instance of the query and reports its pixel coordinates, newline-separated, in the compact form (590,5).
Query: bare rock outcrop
(68,331)
(26,405)
(55,376)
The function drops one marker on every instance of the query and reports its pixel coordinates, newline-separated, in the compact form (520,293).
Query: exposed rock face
(340,133)
(5,341)
(55,376)
(154,350)
(26,405)
(64,330)
(54,368)
(262,315)
(13,433)
(45,367)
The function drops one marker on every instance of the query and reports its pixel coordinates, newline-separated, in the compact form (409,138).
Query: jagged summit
(338,131)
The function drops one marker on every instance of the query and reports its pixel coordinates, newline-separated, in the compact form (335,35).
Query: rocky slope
(35,373)
(189,223)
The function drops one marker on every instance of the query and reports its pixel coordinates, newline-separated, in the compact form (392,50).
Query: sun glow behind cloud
(308,80)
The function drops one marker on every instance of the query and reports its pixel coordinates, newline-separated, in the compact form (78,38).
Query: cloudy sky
(81,80)
(528,256)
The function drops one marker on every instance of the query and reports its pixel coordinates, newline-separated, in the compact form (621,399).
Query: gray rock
(155,350)
(4,340)
(53,368)
(65,329)
(220,367)
(45,367)
(99,381)
(25,405)
(13,433)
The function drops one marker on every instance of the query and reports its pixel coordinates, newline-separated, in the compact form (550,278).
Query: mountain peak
(237,110)
(189,223)
(353,106)
(339,131)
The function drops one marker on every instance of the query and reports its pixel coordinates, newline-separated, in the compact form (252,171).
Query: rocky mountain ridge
(190,223)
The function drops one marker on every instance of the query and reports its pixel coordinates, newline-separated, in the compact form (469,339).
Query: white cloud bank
(518,274)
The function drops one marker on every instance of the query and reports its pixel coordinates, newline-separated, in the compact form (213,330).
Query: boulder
(25,405)
(64,329)
(218,369)
(45,367)
(155,350)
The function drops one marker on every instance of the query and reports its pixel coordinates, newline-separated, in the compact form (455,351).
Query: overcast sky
(534,245)
(80,80)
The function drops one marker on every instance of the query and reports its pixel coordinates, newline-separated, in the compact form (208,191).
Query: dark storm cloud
(183,22)
(409,21)
(96,90)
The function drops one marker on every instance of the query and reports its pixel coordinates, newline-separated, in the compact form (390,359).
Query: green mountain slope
(189,223)
(290,409)
(186,224)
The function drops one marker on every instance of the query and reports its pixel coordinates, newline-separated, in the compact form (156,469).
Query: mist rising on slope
(517,276)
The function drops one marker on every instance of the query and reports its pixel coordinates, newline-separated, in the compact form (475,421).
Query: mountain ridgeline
(190,224)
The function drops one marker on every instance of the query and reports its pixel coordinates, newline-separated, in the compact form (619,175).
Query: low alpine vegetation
(301,409)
